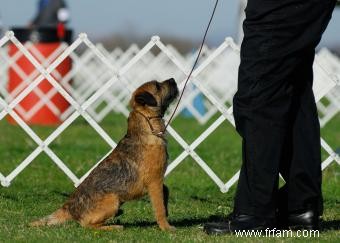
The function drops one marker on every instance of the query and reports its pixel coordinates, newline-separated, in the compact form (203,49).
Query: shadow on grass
(181,223)
(188,222)
(330,225)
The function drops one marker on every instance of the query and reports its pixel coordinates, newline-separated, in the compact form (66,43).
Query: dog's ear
(145,98)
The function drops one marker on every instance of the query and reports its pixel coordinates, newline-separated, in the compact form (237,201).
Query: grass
(194,198)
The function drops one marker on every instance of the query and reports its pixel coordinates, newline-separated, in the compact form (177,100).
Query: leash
(148,118)
(193,67)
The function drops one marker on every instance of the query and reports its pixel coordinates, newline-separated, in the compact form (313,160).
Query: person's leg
(301,164)
(275,69)
(304,177)
(276,35)
(273,52)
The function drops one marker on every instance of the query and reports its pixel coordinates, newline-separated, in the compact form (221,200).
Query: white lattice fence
(87,70)
(100,76)
(144,70)
(329,106)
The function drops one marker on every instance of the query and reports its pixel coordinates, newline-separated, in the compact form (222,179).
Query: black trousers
(274,107)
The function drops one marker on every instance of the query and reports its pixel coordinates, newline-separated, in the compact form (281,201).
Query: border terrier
(135,167)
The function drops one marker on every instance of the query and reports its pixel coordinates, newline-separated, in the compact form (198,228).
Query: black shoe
(303,220)
(239,223)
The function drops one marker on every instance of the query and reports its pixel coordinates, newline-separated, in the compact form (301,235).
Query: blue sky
(183,18)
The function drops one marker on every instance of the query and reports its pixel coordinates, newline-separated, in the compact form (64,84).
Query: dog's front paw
(168,228)
(171,228)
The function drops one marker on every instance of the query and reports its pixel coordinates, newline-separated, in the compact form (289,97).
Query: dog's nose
(171,81)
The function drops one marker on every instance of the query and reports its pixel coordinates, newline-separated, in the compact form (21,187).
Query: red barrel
(34,110)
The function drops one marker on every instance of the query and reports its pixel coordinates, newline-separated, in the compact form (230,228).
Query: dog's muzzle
(171,94)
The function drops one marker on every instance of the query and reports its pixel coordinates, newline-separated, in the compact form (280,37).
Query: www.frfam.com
(277,233)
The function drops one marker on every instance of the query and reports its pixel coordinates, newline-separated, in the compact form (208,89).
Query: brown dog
(135,167)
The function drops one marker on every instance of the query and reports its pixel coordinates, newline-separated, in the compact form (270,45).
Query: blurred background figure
(51,13)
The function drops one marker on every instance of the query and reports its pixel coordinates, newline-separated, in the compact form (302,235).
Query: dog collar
(156,133)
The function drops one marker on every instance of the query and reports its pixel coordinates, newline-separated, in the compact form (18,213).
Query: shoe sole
(302,227)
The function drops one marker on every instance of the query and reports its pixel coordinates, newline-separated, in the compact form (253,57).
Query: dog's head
(154,96)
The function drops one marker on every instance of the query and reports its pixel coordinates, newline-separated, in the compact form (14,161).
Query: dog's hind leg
(105,207)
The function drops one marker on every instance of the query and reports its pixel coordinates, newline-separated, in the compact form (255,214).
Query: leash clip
(158,134)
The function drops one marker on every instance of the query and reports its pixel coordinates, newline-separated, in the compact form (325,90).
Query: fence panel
(102,81)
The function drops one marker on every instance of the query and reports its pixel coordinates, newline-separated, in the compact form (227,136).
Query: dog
(135,167)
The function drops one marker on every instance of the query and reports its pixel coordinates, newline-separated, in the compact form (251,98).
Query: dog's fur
(135,167)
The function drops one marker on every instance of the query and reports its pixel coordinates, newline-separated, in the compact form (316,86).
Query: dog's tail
(58,217)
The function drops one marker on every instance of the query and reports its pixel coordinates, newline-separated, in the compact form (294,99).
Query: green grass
(194,198)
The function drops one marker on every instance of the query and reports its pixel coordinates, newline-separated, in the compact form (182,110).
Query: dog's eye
(158,86)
